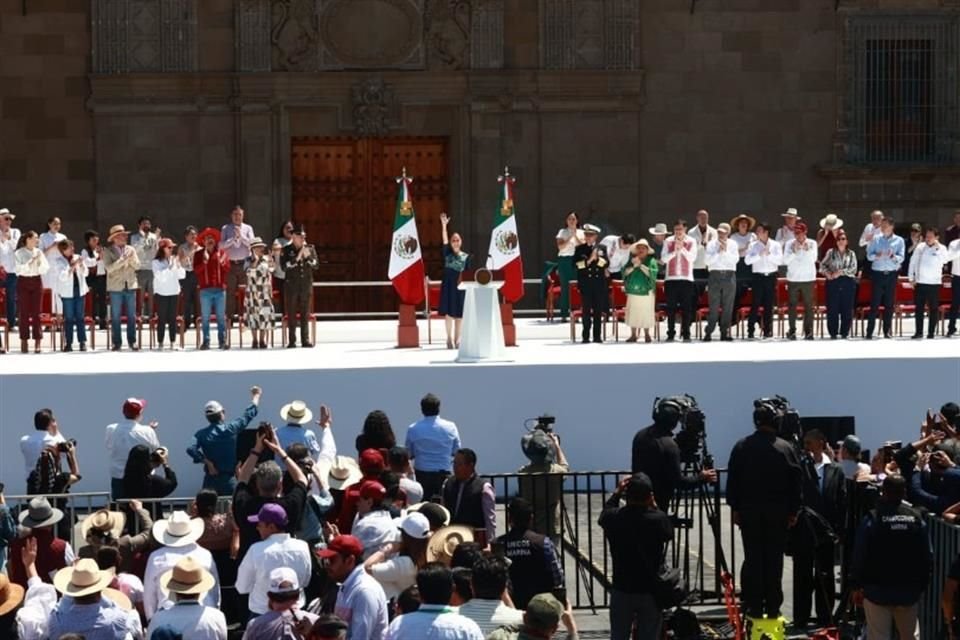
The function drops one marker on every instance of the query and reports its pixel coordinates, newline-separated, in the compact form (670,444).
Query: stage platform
(600,393)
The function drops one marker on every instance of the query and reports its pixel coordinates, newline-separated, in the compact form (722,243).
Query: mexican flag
(505,243)
(406,262)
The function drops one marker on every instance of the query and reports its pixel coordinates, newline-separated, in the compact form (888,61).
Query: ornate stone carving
(357,34)
(588,34)
(295,36)
(137,36)
(374,108)
(486,34)
(447,25)
(252,38)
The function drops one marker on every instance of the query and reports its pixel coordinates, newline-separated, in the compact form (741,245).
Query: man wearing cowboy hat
(284,619)
(658,234)
(679,254)
(55,553)
(296,416)
(178,537)
(827,236)
(800,256)
(215,445)
(121,264)
(9,238)
(722,258)
(211,266)
(741,232)
(299,261)
(361,600)
(591,261)
(92,609)
(187,581)
(785,232)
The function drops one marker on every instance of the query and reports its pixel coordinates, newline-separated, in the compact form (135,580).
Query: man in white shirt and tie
(800,256)
(721,257)
(9,237)
(926,277)
(764,257)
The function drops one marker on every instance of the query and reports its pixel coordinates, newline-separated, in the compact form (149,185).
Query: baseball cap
(640,486)
(371,461)
(916,227)
(852,444)
(283,580)
(212,408)
(543,611)
(372,490)
(345,545)
(133,407)
(270,513)
(416,526)
(723,226)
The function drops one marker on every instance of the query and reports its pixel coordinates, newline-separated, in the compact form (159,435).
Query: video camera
(544,423)
(691,438)
(536,443)
(777,412)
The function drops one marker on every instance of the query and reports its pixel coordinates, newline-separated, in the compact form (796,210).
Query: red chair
(618,304)
(782,304)
(861,305)
(3,321)
(819,304)
(946,293)
(743,312)
(431,305)
(576,304)
(903,302)
(48,319)
(701,311)
(553,293)
(660,305)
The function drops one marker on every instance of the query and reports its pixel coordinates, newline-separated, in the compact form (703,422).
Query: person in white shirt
(396,564)
(178,536)
(800,256)
(487,608)
(722,256)
(703,233)
(872,228)
(284,617)
(48,245)
(953,254)
(742,233)
(764,257)
(187,581)
(167,273)
(9,238)
(121,437)
(926,277)
(92,255)
(361,602)
(435,618)
(618,252)
(32,620)
(568,239)
(399,460)
(374,527)
(785,232)
(276,549)
(679,254)
(46,434)
(31,267)
(71,287)
(144,243)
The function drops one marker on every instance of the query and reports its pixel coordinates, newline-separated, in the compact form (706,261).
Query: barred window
(903,92)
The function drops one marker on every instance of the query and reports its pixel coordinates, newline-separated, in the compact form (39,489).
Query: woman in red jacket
(211,267)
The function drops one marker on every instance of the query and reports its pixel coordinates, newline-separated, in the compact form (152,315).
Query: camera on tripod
(691,438)
(783,417)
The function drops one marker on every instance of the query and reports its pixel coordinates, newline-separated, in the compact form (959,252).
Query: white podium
(481,332)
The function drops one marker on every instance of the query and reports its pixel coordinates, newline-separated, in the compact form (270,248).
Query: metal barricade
(945,538)
(75,507)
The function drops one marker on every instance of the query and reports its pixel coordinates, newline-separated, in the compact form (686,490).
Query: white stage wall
(598,406)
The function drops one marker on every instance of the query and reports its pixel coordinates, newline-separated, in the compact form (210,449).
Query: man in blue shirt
(216,444)
(886,253)
(432,443)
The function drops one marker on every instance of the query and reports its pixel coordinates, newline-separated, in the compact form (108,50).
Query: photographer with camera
(46,434)
(542,448)
(764,492)
(656,451)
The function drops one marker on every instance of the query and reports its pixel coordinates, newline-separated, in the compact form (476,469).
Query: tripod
(581,570)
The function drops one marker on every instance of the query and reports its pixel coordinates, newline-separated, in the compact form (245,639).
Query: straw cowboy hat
(188,578)
(439,512)
(11,595)
(642,242)
(445,541)
(178,530)
(832,220)
(659,229)
(5,213)
(116,230)
(40,514)
(344,472)
(296,413)
(103,521)
(257,242)
(790,213)
(736,221)
(82,579)
(209,232)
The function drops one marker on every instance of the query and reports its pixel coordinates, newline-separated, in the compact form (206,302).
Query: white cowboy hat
(642,242)
(6,213)
(104,521)
(116,230)
(660,229)
(257,242)
(187,577)
(445,541)
(82,579)
(178,530)
(832,220)
(296,413)
(344,472)
(40,514)
(790,213)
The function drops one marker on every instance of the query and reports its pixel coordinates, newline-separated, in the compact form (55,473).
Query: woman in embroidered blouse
(31,265)
(839,267)
(640,285)
(451,298)
(258,300)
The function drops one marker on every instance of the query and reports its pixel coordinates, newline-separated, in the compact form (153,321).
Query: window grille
(903,93)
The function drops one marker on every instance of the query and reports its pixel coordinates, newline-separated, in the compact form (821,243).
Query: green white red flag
(505,242)
(406,261)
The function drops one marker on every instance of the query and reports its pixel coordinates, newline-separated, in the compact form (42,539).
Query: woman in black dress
(451,298)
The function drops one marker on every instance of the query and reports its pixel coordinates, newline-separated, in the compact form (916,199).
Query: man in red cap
(361,603)
(374,527)
(371,466)
(123,436)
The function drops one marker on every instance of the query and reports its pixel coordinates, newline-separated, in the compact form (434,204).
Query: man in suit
(299,261)
(819,527)
(591,261)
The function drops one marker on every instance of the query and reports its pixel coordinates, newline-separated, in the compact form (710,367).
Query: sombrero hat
(433,511)
(40,514)
(445,541)
(178,530)
(116,230)
(187,577)
(344,472)
(82,579)
(209,232)
(104,521)
(751,220)
(831,219)
(296,413)
(11,595)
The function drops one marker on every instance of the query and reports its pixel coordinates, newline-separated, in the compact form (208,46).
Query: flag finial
(506,171)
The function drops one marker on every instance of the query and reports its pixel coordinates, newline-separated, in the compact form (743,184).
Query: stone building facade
(628,111)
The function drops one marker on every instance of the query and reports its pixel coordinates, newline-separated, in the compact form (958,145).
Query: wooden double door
(344,193)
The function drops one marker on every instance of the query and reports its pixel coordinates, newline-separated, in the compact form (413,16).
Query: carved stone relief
(375,108)
(295,35)
(447,27)
(371,34)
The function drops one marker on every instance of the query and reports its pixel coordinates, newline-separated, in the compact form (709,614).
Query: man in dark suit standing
(819,527)
(591,260)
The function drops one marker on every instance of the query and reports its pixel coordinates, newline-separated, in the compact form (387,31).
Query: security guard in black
(591,260)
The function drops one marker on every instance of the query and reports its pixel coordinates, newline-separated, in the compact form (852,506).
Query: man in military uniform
(298,261)
(591,260)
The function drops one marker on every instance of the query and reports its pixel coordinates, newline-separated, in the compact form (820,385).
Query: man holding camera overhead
(216,444)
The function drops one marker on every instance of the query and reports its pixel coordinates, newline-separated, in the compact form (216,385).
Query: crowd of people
(288,538)
(730,260)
